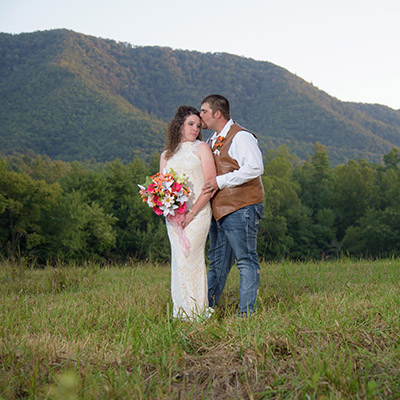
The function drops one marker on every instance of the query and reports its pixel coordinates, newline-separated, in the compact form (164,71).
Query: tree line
(53,210)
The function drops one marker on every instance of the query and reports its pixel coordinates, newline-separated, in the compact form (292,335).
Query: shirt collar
(225,129)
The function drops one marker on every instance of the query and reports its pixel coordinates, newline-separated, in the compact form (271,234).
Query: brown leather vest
(228,200)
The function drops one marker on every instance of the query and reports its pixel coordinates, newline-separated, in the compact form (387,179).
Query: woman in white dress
(186,154)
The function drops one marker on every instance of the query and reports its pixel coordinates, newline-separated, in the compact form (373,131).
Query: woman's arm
(209,172)
(163,162)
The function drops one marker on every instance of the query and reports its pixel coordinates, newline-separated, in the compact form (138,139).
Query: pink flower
(176,187)
(157,210)
(182,208)
(157,201)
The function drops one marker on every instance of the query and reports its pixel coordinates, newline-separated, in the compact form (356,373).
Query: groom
(237,204)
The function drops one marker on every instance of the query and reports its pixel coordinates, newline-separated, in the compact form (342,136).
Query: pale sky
(347,48)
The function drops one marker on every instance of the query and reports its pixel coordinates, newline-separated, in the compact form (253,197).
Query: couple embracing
(226,203)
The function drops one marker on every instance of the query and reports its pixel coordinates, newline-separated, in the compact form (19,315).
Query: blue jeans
(234,237)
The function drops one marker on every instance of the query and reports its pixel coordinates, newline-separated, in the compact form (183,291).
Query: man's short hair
(218,103)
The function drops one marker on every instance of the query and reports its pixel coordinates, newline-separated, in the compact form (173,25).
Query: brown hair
(218,103)
(174,129)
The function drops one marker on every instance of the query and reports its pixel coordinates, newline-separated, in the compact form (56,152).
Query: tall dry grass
(326,330)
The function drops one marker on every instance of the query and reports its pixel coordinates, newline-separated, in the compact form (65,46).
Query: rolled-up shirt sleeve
(244,149)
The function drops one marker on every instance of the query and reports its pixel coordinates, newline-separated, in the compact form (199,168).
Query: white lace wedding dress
(188,272)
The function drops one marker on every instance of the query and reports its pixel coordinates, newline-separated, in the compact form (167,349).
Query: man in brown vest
(237,204)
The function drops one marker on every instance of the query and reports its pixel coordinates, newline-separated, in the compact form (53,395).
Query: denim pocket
(260,210)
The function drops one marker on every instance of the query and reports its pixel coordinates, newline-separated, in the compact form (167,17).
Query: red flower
(182,208)
(157,210)
(176,187)
(157,201)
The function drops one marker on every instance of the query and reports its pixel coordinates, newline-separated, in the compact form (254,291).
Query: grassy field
(326,330)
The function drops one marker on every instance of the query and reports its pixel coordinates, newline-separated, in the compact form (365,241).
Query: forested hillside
(77,97)
(58,96)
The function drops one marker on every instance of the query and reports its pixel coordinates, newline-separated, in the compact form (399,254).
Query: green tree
(392,159)
(315,177)
(285,230)
(377,232)
(38,167)
(23,204)
(353,193)
(376,235)
(90,180)
(77,230)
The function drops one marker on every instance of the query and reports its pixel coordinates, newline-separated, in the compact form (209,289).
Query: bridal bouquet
(166,193)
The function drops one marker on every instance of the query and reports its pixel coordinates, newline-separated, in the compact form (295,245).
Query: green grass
(326,330)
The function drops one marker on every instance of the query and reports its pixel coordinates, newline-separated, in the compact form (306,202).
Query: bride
(186,154)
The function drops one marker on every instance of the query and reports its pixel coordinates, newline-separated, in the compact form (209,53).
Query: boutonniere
(218,144)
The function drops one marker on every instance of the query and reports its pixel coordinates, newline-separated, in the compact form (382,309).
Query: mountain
(78,97)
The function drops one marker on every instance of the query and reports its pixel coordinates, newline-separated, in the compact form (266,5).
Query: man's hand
(210,186)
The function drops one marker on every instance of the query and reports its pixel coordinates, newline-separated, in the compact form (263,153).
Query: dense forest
(55,210)
(74,97)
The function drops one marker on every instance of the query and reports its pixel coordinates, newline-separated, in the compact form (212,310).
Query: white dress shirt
(244,149)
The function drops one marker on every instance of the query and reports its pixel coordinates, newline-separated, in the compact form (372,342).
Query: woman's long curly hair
(174,130)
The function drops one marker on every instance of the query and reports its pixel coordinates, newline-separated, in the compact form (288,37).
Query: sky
(350,49)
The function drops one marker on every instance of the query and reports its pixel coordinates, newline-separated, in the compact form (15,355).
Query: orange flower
(218,143)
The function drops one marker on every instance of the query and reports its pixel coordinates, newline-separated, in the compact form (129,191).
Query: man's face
(207,117)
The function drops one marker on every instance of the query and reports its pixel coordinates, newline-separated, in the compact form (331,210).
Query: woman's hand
(188,218)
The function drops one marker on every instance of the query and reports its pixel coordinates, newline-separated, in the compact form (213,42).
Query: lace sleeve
(196,143)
